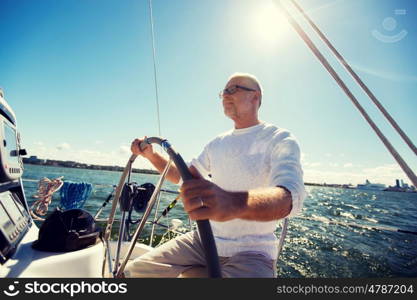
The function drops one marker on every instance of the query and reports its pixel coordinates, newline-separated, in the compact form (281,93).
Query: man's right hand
(146,152)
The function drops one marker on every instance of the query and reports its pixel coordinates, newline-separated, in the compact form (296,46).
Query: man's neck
(246,123)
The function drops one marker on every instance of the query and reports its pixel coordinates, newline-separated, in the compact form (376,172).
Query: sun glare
(269,25)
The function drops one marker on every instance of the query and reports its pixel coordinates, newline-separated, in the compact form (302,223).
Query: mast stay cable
(357,79)
(408,171)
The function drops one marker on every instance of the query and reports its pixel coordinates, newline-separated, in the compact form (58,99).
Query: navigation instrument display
(4,219)
(11,208)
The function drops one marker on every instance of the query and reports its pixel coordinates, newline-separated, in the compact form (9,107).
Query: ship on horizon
(371,186)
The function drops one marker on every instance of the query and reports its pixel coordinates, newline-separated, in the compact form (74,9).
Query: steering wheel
(203,226)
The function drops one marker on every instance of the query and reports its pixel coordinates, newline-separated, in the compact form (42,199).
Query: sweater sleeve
(286,171)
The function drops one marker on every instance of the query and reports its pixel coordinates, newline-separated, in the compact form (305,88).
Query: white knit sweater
(250,158)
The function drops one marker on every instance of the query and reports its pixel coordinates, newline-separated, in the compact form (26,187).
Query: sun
(269,26)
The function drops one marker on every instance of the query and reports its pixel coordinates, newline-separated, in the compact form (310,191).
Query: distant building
(400,186)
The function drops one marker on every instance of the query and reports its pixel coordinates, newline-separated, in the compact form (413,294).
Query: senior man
(245,180)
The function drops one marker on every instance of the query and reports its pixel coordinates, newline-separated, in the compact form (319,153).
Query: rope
(46,188)
(168,208)
(154,66)
(343,86)
(357,79)
(74,195)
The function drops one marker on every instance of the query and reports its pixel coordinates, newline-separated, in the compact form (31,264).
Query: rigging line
(154,66)
(155,219)
(343,86)
(284,230)
(357,79)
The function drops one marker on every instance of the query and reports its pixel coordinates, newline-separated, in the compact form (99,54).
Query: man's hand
(203,200)
(146,152)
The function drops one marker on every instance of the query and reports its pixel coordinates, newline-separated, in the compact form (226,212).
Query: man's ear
(256,98)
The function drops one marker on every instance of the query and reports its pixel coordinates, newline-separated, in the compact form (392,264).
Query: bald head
(251,82)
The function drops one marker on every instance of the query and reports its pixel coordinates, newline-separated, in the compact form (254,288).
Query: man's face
(242,103)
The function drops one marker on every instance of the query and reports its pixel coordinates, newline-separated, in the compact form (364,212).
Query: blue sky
(79,75)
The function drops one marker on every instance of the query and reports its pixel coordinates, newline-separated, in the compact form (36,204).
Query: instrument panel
(14,223)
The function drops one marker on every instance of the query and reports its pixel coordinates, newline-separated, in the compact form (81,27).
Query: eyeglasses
(233,89)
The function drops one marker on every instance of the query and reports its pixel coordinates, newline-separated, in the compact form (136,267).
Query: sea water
(313,248)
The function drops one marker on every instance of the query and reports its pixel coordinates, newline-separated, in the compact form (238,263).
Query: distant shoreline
(335,185)
(77,165)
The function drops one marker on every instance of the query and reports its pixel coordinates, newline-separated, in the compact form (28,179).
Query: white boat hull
(86,263)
